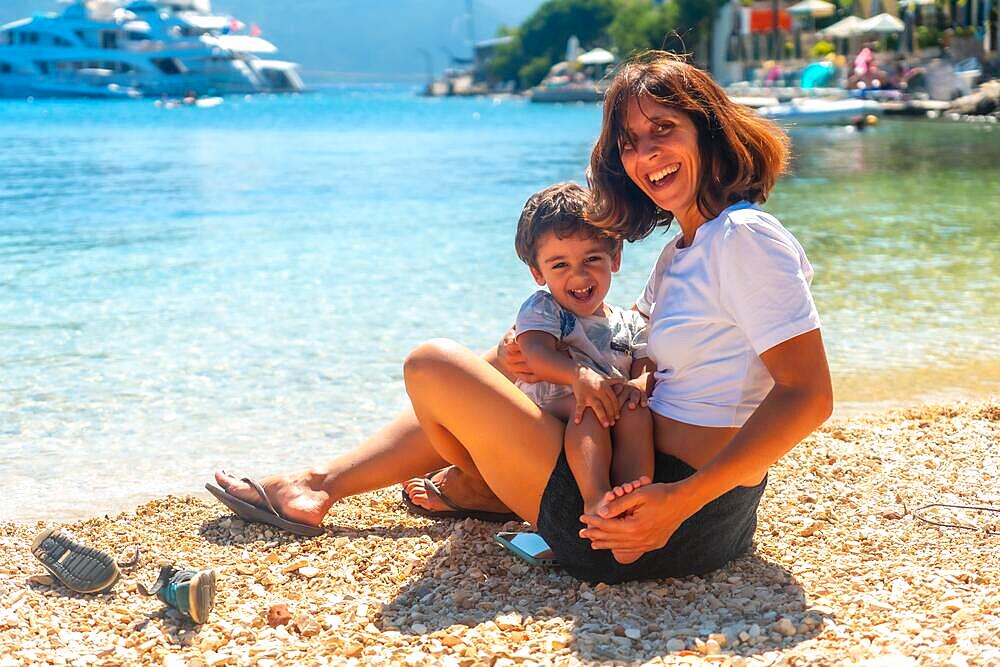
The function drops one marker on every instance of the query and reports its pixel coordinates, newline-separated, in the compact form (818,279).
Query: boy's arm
(638,389)
(591,389)
(548,363)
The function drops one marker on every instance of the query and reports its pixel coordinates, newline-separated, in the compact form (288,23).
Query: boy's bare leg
(632,461)
(632,435)
(588,452)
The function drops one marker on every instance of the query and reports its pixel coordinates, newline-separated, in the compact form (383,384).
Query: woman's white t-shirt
(739,289)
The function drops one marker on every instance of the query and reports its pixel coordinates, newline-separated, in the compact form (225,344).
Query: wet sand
(842,572)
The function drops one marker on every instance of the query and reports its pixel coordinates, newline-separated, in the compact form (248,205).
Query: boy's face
(577,271)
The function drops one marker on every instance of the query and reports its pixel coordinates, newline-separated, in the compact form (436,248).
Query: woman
(742,374)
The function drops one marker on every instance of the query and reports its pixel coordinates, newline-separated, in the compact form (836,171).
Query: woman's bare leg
(476,419)
(397,452)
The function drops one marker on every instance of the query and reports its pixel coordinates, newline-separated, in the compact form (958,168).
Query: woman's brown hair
(742,154)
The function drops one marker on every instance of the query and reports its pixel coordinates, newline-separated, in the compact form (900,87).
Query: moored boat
(820,112)
(104,48)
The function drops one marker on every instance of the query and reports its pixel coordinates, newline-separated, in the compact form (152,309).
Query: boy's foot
(293,496)
(594,505)
(621,490)
(624,557)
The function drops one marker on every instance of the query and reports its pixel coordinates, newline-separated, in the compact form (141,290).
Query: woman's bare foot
(462,489)
(297,497)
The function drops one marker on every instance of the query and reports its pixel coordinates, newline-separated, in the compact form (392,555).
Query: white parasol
(812,8)
(596,56)
(884,23)
(843,29)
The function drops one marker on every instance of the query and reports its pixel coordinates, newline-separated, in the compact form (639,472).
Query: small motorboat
(821,112)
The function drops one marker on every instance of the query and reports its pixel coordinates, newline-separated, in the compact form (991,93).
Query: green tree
(640,25)
(695,18)
(540,41)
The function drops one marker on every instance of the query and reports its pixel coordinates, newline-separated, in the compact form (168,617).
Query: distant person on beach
(741,372)
(589,358)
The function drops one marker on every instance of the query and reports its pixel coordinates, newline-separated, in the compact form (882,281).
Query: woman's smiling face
(659,152)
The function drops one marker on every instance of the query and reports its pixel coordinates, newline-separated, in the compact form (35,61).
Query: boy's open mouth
(582,295)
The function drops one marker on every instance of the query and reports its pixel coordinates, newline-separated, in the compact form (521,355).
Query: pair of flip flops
(88,570)
(454,510)
(264,512)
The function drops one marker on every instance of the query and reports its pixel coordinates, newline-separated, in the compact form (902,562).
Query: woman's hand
(640,521)
(510,357)
(593,390)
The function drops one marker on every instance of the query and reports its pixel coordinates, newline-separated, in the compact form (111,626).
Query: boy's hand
(632,394)
(593,390)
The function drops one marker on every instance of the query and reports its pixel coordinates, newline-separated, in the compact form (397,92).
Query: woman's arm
(801,400)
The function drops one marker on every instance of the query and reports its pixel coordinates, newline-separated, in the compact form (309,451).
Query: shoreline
(841,573)
(868,401)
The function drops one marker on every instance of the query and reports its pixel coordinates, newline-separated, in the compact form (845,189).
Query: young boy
(584,352)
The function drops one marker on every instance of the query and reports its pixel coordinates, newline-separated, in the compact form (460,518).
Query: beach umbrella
(843,29)
(596,56)
(812,8)
(884,23)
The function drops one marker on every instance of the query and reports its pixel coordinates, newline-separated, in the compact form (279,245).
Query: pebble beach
(842,573)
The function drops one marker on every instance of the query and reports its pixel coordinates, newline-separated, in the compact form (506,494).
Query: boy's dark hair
(560,209)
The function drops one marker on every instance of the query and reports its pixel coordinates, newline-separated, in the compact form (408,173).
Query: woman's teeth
(660,175)
(582,294)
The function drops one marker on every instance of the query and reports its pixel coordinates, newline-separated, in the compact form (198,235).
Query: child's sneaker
(81,568)
(191,592)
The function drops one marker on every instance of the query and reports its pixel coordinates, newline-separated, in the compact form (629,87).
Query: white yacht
(110,48)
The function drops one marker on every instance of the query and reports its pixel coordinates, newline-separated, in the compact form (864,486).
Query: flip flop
(80,568)
(456,511)
(263,513)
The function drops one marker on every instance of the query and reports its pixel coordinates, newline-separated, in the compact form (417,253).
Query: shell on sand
(842,573)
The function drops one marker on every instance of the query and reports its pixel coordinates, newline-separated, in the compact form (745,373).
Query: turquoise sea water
(192,288)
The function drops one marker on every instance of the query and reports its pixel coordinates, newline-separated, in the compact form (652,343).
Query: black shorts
(719,532)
